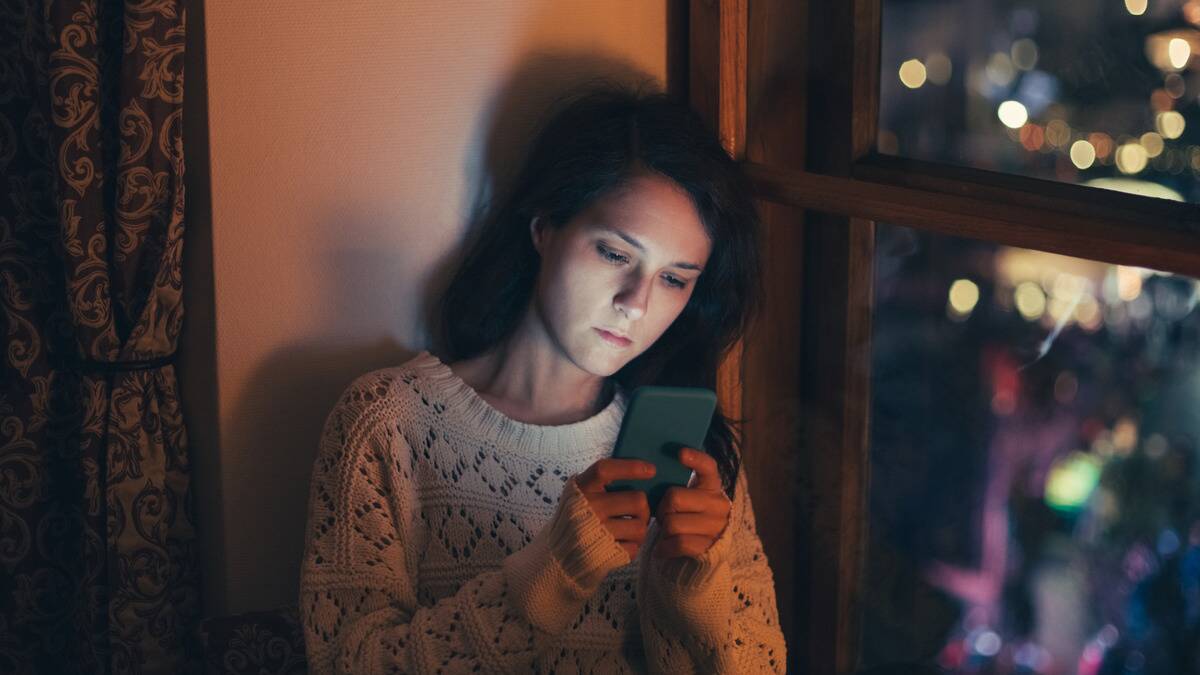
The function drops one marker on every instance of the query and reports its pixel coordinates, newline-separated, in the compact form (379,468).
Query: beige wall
(332,167)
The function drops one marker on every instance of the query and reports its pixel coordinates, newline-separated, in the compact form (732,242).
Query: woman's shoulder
(389,388)
(384,403)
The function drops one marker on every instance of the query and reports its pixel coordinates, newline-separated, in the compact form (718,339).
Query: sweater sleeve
(715,613)
(358,580)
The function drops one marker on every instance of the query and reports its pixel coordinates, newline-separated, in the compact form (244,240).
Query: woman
(458,517)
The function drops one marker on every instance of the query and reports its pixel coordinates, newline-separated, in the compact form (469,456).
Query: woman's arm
(715,613)
(358,599)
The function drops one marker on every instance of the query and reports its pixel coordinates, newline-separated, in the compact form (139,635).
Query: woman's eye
(611,256)
(618,259)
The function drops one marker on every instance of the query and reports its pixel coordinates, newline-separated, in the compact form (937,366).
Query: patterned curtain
(98,560)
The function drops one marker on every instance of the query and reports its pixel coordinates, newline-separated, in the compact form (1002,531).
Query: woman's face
(627,264)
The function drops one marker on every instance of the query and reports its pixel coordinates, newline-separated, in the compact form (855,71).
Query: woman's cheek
(661,315)
(676,310)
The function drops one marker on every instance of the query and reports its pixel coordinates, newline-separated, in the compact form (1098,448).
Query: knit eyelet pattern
(446,537)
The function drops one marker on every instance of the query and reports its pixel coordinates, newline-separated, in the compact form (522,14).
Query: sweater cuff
(696,592)
(691,574)
(552,576)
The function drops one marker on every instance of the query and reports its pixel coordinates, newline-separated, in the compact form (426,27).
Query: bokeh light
(1174,85)
(1083,154)
(1024,54)
(1170,124)
(1088,314)
(1013,114)
(963,296)
(1179,51)
(1032,137)
(938,68)
(1030,300)
(1058,133)
(1152,143)
(1191,12)
(1131,158)
(1129,283)
(1000,70)
(1102,142)
(912,73)
(1071,481)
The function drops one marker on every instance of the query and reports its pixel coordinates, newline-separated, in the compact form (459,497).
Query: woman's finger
(605,471)
(692,500)
(684,545)
(625,503)
(627,529)
(708,476)
(674,524)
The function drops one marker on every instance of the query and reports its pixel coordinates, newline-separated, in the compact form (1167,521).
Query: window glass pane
(1098,92)
(1035,498)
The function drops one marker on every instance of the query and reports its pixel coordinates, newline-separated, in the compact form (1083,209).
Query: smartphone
(658,422)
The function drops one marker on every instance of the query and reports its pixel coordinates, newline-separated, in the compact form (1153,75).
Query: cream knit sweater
(446,537)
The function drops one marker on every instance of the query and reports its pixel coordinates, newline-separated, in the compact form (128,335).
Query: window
(1034,440)
(1097,93)
(876,390)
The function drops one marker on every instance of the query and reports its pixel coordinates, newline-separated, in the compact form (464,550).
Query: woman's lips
(613,339)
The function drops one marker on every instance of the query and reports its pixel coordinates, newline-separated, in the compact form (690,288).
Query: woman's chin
(606,361)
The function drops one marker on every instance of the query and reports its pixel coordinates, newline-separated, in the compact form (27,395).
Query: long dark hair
(591,144)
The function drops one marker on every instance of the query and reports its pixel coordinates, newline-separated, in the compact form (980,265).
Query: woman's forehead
(653,211)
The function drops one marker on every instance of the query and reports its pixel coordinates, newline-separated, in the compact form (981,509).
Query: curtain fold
(98,562)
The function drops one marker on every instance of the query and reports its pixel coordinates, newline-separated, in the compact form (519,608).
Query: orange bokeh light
(1032,136)
(1191,12)
(1161,101)
(1102,142)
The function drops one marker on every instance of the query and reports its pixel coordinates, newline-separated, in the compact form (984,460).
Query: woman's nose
(633,298)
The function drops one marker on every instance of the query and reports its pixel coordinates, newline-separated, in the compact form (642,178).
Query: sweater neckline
(578,439)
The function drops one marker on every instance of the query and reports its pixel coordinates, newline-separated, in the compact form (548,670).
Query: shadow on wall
(279,417)
(502,136)
(281,412)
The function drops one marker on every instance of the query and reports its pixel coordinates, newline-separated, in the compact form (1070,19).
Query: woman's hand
(691,518)
(625,514)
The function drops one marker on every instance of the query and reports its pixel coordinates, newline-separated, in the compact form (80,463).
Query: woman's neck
(531,387)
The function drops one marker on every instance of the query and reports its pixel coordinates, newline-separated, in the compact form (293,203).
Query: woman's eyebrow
(638,245)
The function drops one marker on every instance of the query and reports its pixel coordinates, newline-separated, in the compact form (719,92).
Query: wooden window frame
(801,114)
